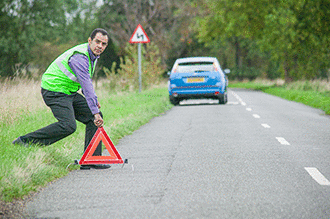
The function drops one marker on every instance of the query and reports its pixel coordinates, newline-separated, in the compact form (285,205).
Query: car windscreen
(195,67)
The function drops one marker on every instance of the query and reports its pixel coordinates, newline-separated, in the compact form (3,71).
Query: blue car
(197,78)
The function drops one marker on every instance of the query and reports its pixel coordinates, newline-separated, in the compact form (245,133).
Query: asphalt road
(258,156)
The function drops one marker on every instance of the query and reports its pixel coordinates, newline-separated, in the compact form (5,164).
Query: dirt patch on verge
(12,209)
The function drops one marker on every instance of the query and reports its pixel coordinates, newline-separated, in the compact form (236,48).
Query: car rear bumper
(214,93)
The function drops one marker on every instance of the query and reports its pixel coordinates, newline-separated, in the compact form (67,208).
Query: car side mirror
(227,71)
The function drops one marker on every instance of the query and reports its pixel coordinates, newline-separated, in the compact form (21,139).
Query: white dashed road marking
(282,141)
(317,176)
(313,172)
(265,126)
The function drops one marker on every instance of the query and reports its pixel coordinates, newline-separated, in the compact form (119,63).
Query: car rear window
(195,67)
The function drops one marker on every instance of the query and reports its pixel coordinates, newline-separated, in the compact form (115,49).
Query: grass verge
(312,93)
(23,170)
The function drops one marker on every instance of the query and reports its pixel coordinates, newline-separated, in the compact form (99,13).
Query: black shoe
(85,167)
(95,166)
(19,141)
(101,166)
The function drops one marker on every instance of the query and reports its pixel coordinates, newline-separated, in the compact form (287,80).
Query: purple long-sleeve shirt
(80,66)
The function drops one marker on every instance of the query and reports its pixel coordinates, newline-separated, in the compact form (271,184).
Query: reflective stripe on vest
(64,70)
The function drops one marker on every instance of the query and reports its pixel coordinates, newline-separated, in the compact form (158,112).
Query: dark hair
(99,30)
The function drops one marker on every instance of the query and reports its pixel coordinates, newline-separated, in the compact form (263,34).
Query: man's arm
(80,66)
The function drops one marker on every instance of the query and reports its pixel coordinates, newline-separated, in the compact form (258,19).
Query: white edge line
(238,98)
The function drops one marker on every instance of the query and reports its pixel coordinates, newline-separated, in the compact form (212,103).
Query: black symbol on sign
(138,36)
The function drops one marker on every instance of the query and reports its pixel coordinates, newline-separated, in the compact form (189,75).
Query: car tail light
(217,93)
(215,67)
(175,94)
(175,67)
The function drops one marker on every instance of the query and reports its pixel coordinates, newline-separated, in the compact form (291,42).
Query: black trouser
(66,109)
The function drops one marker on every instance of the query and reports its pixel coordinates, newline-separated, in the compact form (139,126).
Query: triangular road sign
(113,158)
(139,36)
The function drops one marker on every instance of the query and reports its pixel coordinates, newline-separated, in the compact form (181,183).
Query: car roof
(196,59)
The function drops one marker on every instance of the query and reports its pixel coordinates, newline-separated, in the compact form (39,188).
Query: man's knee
(69,127)
(72,128)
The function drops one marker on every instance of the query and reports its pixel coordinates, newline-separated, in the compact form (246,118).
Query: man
(59,85)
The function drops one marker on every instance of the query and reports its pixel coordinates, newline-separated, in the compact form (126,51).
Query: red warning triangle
(88,158)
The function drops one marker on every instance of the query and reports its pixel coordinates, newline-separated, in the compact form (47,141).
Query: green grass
(314,94)
(23,170)
(311,98)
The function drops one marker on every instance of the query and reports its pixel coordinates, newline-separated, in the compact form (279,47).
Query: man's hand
(98,121)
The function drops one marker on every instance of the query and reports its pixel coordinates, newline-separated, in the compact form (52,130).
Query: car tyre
(223,99)
(174,101)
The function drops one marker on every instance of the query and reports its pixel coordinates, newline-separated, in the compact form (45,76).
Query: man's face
(98,44)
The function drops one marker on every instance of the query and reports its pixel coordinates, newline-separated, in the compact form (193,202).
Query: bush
(126,78)
(250,73)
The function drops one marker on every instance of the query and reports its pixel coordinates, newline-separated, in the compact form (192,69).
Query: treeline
(270,38)
(254,38)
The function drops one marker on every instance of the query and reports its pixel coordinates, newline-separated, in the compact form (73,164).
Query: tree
(25,23)
(222,24)
(167,23)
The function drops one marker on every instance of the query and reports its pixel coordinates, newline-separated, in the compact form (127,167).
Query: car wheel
(174,101)
(223,98)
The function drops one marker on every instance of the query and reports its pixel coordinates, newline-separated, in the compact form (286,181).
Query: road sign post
(140,67)
(139,36)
